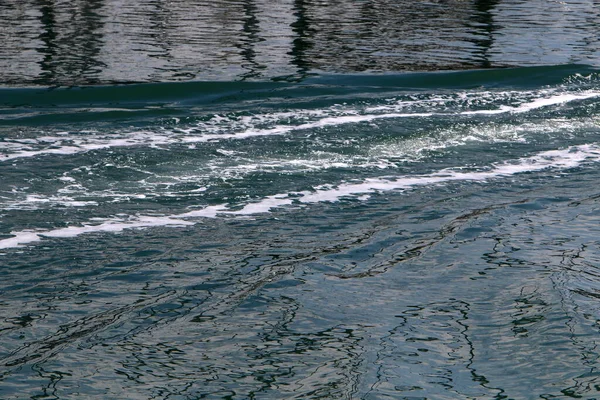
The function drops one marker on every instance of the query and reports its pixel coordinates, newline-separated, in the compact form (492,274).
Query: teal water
(417,235)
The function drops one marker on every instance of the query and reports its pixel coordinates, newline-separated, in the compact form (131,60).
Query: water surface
(423,235)
(322,200)
(86,42)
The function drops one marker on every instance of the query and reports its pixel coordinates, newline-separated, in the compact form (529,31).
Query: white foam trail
(537,103)
(35,202)
(75,145)
(558,99)
(284,129)
(558,159)
(19,239)
(213,130)
(115,225)
(385,156)
(264,205)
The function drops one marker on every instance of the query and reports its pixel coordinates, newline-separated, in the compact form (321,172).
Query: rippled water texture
(55,42)
(421,235)
(287,223)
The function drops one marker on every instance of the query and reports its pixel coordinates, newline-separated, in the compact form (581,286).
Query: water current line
(147,138)
(558,159)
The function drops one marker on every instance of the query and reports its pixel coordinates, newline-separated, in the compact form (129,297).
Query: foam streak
(558,159)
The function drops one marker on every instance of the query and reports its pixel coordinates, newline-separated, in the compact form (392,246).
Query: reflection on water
(267,316)
(101,41)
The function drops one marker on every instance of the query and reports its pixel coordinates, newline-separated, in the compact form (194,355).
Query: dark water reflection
(101,41)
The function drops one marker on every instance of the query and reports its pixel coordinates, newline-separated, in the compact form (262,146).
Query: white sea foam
(36,202)
(537,103)
(236,165)
(75,144)
(118,224)
(284,129)
(220,128)
(557,159)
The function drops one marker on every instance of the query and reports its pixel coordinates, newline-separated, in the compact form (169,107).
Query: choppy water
(286,225)
(422,235)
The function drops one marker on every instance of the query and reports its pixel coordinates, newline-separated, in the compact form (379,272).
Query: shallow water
(286,225)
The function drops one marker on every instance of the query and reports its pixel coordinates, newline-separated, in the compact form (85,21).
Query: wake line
(150,139)
(535,104)
(146,138)
(558,159)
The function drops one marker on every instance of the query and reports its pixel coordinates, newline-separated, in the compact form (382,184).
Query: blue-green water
(417,235)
